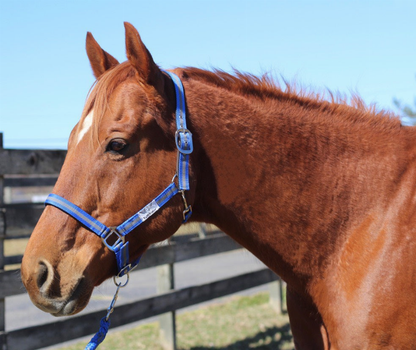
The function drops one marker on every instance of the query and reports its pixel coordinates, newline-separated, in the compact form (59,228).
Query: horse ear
(140,57)
(100,60)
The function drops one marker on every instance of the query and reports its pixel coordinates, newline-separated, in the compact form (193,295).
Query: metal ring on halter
(119,284)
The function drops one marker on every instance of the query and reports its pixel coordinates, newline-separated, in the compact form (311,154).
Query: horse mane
(266,87)
(251,86)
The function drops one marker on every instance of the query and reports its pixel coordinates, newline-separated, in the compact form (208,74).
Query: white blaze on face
(86,125)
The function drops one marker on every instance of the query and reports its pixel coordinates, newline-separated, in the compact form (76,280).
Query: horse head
(121,155)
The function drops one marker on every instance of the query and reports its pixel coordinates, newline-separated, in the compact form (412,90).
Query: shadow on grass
(271,338)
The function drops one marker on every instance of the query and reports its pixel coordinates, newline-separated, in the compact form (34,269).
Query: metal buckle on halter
(120,238)
(188,146)
(188,208)
(187,213)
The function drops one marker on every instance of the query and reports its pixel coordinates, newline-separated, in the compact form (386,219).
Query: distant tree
(408,113)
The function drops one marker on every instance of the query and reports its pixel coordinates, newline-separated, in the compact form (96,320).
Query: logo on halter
(148,210)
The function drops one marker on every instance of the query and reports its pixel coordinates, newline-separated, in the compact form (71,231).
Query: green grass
(239,323)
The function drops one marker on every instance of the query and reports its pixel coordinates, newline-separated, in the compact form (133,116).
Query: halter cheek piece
(120,247)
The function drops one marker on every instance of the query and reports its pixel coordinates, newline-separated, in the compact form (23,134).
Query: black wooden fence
(20,168)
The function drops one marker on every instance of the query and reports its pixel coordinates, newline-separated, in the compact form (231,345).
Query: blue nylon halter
(184,144)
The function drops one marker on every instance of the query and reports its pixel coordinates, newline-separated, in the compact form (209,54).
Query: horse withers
(324,193)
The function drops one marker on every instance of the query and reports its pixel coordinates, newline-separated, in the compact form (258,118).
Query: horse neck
(269,175)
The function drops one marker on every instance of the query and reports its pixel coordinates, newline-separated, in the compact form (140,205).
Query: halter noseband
(183,139)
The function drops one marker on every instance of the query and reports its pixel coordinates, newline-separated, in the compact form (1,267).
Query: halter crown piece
(184,145)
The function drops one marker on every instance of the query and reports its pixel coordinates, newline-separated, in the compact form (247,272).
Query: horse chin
(72,307)
(76,301)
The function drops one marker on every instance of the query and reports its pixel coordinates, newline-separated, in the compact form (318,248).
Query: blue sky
(363,46)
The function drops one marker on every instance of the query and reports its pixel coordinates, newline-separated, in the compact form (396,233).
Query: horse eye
(116,146)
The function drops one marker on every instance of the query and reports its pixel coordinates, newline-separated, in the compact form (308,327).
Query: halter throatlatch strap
(184,144)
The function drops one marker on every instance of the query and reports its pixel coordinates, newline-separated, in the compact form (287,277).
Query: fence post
(167,321)
(2,236)
(202,232)
(276,296)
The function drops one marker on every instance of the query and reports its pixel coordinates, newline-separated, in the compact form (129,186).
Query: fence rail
(23,168)
(30,162)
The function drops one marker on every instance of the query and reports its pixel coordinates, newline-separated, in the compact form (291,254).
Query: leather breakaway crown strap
(184,144)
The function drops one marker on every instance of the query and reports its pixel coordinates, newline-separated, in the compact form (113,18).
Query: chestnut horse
(322,192)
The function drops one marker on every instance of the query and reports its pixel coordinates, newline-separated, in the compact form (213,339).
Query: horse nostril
(43,272)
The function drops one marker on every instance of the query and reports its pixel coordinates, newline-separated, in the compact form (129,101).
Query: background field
(239,323)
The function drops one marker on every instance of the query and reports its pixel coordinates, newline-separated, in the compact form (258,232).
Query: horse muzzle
(50,293)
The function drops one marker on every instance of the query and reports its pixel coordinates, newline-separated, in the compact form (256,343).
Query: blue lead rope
(184,144)
(98,338)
